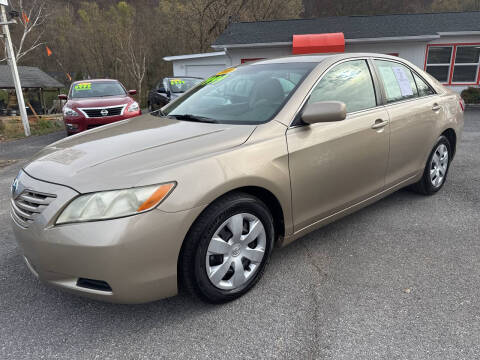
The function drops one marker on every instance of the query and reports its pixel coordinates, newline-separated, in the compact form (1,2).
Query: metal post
(13,67)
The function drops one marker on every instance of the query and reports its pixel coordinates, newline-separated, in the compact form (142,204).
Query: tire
(202,265)
(426,185)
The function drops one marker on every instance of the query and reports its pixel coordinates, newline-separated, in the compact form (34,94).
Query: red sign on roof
(318,43)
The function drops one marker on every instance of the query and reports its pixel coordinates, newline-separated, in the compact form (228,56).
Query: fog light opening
(98,285)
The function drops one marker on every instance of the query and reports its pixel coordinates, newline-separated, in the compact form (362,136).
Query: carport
(34,82)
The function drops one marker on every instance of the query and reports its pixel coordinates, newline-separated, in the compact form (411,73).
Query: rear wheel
(436,169)
(227,249)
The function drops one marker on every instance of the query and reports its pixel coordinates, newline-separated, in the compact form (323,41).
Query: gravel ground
(397,280)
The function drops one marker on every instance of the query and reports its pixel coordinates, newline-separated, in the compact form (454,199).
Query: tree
(197,23)
(27,36)
(130,41)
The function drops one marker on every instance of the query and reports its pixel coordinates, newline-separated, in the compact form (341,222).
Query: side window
(349,82)
(397,81)
(423,88)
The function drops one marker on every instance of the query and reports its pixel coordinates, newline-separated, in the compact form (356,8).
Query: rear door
(335,165)
(413,108)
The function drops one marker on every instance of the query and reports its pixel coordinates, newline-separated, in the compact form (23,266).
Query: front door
(335,165)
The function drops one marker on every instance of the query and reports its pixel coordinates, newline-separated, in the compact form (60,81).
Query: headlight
(69,112)
(133,107)
(114,204)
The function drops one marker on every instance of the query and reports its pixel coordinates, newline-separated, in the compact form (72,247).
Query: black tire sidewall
(240,204)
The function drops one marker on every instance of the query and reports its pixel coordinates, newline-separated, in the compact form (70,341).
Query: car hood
(99,102)
(132,152)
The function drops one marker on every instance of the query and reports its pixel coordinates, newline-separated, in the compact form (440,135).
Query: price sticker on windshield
(83,86)
(219,76)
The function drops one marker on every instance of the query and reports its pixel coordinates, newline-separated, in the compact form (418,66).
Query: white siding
(236,55)
(203,71)
(201,67)
(411,51)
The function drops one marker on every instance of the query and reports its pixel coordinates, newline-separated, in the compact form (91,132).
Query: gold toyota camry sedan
(199,193)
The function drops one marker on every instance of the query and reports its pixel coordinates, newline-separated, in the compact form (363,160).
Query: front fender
(261,162)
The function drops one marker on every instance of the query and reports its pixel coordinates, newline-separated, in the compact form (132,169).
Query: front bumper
(136,255)
(77,124)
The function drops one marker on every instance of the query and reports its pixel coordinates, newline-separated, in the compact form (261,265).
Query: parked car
(169,89)
(259,155)
(93,103)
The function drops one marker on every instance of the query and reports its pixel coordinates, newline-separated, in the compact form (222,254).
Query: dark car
(169,89)
(92,103)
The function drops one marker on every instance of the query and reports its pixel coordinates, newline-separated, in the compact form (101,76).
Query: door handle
(436,107)
(379,123)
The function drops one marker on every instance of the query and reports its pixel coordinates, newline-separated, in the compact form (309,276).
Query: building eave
(253,45)
(194,56)
(349,41)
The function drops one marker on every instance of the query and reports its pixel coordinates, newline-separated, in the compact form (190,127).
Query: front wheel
(436,169)
(227,249)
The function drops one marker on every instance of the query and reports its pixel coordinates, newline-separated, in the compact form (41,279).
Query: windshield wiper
(190,117)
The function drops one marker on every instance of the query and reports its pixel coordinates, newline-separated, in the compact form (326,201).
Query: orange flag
(49,52)
(25,17)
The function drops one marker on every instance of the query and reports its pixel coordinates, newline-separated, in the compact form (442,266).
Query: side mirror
(132,92)
(63,97)
(324,111)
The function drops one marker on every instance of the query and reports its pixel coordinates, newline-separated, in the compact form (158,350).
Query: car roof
(96,80)
(317,58)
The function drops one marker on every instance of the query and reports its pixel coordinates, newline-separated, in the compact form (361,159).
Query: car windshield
(250,94)
(97,89)
(180,85)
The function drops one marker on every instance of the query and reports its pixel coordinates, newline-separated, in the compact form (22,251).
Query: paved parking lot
(397,280)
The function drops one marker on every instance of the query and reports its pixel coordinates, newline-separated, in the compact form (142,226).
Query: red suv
(92,103)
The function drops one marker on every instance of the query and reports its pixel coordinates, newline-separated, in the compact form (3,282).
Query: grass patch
(12,128)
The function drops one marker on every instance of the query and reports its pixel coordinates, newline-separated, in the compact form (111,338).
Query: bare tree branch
(32,25)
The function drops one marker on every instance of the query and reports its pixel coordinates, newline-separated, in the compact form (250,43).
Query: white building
(447,45)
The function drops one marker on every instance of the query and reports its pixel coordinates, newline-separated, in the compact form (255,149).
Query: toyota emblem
(104,112)
(14,186)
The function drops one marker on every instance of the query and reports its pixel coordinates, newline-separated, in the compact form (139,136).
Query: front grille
(109,111)
(28,204)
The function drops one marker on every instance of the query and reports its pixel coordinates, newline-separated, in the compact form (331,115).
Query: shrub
(471,95)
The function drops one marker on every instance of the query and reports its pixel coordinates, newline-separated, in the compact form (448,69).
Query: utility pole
(12,61)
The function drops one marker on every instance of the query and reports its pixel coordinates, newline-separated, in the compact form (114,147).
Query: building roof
(193,56)
(354,27)
(30,77)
